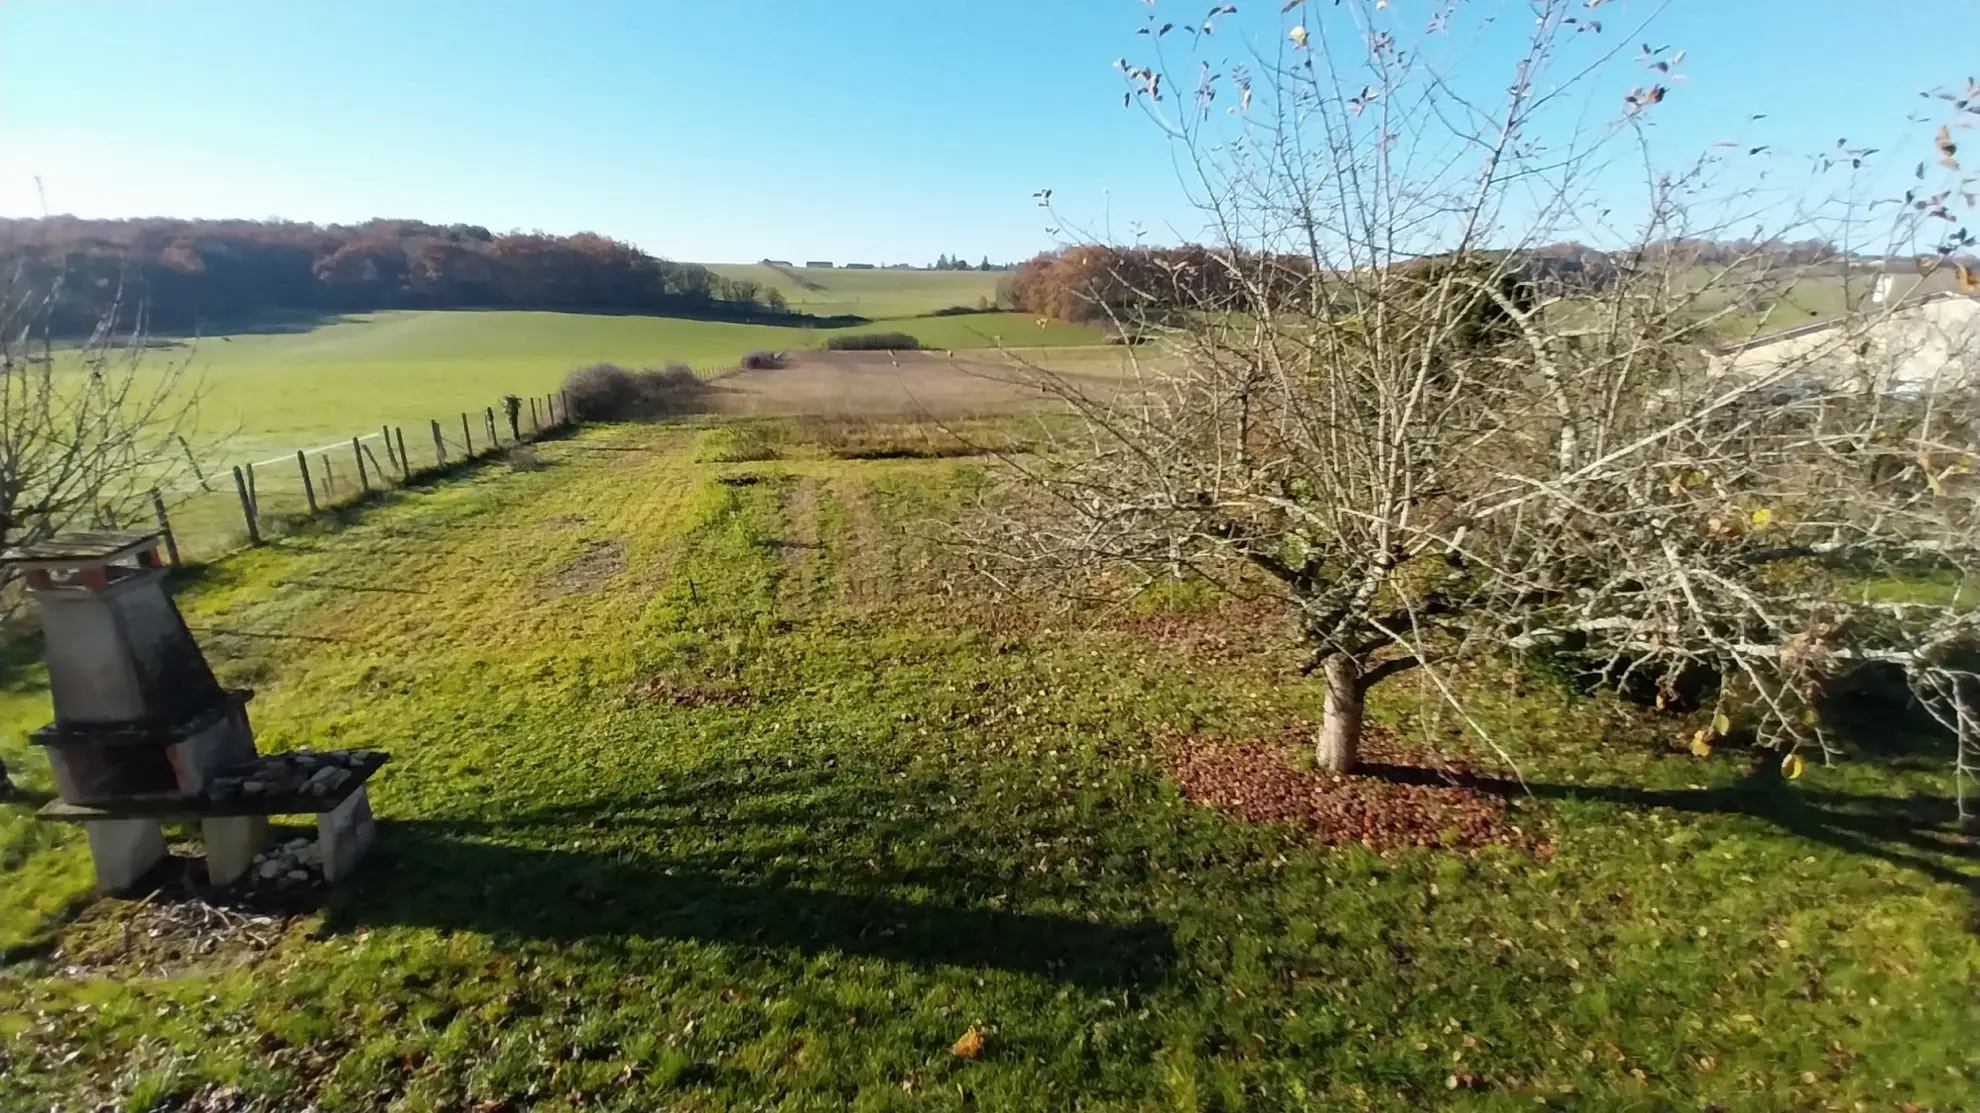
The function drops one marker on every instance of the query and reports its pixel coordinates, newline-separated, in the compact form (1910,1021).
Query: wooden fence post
(364,479)
(254,496)
(329,478)
(385,432)
(439,446)
(309,489)
(493,438)
(247,506)
(535,426)
(400,432)
(565,395)
(467,438)
(378,469)
(165,527)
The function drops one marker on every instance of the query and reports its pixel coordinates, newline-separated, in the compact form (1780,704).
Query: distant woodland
(1094,283)
(199,274)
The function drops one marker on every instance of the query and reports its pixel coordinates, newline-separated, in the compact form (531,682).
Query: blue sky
(874,130)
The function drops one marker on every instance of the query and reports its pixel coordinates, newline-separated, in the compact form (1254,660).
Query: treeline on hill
(186,274)
(1097,283)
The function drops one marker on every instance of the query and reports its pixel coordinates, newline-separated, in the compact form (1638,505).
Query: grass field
(284,391)
(716,787)
(876,293)
(267,394)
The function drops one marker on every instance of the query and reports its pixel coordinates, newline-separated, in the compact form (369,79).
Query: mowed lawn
(716,786)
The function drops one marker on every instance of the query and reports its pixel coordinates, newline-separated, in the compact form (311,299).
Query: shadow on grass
(568,896)
(777,867)
(1920,833)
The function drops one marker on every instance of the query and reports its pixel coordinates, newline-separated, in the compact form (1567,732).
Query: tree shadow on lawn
(565,896)
(540,882)
(1920,832)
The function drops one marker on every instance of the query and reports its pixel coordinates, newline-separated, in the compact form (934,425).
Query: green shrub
(873,342)
(608,392)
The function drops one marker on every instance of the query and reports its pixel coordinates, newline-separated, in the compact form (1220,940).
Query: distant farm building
(776,262)
(859,266)
(1917,348)
(818,264)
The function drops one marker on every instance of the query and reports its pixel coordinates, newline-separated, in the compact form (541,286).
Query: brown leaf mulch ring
(691,694)
(1397,800)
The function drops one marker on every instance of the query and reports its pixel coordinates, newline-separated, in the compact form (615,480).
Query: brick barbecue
(143,732)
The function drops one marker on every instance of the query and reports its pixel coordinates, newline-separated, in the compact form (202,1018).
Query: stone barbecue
(143,732)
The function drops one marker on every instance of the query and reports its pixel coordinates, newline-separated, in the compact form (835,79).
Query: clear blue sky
(875,130)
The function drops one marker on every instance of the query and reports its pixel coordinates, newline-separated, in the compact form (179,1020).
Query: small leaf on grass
(1761,517)
(1791,766)
(1700,746)
(969,1045)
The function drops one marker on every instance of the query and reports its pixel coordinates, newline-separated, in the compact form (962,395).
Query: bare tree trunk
(1339,744)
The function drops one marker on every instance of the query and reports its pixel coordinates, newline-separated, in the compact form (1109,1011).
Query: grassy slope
(267,394)
(874,293)
(294,390)
(920,823)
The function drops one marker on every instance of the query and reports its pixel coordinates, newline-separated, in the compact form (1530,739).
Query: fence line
(305,483)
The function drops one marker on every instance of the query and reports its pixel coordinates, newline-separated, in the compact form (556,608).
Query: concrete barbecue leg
(124,850)
(231,844)
(344,834)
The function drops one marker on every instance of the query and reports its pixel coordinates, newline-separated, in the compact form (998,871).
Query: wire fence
(224,511)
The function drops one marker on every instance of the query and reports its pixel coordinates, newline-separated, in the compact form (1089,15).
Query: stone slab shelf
(127,837)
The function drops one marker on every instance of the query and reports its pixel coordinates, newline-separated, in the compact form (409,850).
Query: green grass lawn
(265,395)
(718,795)
(876,293)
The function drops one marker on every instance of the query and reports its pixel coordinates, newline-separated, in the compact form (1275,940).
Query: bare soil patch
(183,924)
(879,384)
(691,693)
(1396,801)
(598,562)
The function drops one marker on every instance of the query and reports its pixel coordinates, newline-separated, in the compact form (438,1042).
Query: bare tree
(88,425)
(1384,394)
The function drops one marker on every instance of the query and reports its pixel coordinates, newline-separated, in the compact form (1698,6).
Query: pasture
(720,783)
(263,395)
(279,391)
(878,294)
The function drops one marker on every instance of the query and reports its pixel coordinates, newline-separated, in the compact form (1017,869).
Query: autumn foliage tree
(188,274)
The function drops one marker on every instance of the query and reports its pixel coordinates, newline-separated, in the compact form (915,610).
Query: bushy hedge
(608,392)
(873,342)
(761,360)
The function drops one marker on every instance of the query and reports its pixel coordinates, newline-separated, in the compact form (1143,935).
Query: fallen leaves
(970,1044)
(1396,802)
